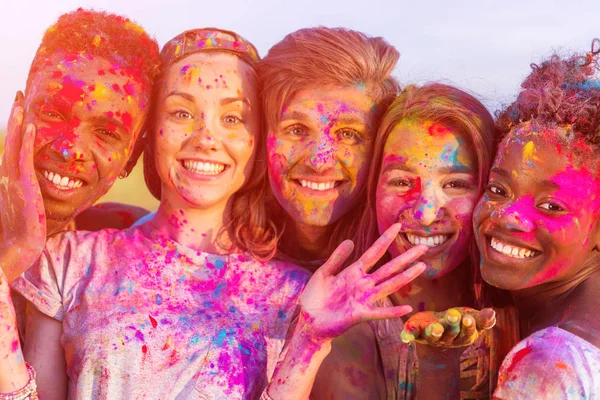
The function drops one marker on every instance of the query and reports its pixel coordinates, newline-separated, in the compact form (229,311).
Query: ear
(138,149)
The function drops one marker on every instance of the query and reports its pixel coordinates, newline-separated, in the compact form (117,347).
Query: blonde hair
(328,57)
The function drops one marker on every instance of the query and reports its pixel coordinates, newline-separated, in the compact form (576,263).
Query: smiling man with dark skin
(72,133)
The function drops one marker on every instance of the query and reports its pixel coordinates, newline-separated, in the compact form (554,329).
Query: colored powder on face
(129,89)
(127,120)
(528,153)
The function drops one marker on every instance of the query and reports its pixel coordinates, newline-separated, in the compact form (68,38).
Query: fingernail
(407,337)
(453,316)
(29,129)
(435,330)
(17,96)
(467,321)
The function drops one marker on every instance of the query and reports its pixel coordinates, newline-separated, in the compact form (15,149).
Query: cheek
(389,206)
(461,211)
(356,160)
(482,211)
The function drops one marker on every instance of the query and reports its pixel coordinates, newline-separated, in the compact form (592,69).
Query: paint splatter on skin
(324,143)
(428,182)
(544,209)
(85,131)
(212,128)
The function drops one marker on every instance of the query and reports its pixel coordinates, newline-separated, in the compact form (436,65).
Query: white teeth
(62,182)
(512,251)
(318,186)
(204,168)
(431,241)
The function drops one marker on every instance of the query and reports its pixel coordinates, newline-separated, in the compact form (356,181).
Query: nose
(321,155)
(513,215)
(429,206)
(72,147)
(203,137)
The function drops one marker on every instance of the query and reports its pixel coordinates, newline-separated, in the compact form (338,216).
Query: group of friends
(322,232)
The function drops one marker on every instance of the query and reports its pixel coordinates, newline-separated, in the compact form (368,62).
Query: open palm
(332,303)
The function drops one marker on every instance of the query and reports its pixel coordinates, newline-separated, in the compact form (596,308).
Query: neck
(306,242)
(194,228)
(53,226)
(449,291)
(570,303)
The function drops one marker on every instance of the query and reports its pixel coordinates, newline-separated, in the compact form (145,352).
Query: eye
(457,184)
(496,190)
(108,132)
(297,130)
(349,136)
(553,207)
(181,114)
(400,182)
(231,120)
(52,115)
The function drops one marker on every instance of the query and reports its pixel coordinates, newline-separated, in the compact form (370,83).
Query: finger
(433,333)
(12,144)
(378,249)
(337,258)
(398,263)
(394,284)
(386,312)
(485,319)
(451,322)
(29,182)
(468,331)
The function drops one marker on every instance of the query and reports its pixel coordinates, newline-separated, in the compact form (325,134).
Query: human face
(88,115)
(319,154)
(538,219)
(207,119)
(428,182)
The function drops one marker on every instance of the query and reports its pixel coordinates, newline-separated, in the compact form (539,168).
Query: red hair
(110,36)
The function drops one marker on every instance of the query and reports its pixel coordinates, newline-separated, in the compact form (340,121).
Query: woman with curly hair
(538,230)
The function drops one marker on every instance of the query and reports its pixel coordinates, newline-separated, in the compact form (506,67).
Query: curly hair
(112,37)
(560,92)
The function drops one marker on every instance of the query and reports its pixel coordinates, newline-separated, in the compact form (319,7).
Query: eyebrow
(451,169)
(500,171)
(185,95)
(230,100)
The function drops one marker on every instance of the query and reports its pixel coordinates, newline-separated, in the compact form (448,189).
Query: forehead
(418,141)
(337,99)
(212,70)
(86,81)
(533,157)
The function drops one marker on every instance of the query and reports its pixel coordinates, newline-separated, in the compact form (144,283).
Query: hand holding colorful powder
(456,327)
(22,214)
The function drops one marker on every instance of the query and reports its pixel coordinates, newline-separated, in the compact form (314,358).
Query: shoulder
(109,215)
(549,362)
(285,271)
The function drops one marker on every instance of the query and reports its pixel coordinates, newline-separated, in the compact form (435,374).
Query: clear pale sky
(484,46)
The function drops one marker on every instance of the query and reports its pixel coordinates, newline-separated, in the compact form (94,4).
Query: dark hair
(105,35)
(559,92)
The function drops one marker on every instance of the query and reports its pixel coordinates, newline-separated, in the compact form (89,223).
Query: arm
(45,353)
(331,304)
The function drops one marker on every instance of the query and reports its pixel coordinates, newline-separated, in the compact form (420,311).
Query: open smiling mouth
(511,250)
(320,186)
(431,241)
(62,182)
(203,167)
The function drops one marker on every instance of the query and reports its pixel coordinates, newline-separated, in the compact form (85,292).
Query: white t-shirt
(146,318)
(550,364)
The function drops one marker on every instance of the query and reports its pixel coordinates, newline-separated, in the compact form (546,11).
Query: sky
(483,46)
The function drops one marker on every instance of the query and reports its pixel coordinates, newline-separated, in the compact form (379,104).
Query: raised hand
(22,214)
(332,303)
(456,327)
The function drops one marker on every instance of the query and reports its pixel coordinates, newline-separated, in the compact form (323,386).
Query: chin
(505,280)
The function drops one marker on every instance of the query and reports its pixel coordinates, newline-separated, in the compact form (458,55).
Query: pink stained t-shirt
(146,318)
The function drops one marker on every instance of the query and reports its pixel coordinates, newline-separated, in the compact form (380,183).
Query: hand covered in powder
(23,218)
(457,327)
(332,303)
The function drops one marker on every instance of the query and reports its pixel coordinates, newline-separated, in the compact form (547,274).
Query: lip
(201,177)
(51,190)
(494,256)
(432,252)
